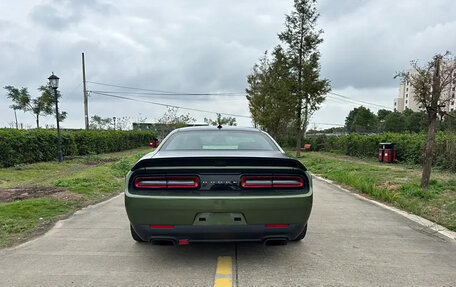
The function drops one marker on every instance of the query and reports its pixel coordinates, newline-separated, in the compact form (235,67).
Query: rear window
(219,140)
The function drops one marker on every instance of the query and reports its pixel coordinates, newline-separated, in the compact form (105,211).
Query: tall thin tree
(302,39)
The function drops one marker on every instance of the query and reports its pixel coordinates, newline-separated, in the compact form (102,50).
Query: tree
(222,121)
(270,96)
(302,40)
(414,121)
(171,118)
(382,113)
(170,121)
(41,106)
(395,122)
(432,84)
(449,122)
(123,123)
(361,120)
(99,123)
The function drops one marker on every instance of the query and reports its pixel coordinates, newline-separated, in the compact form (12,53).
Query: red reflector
(183,242)
(277,225)
(162,226)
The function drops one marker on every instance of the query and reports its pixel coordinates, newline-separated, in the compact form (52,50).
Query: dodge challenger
(209,184)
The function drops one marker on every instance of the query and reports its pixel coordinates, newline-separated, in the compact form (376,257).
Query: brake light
(150,182)
(182,182)
(287,181)
(167,182)
(256,181)
(272,181)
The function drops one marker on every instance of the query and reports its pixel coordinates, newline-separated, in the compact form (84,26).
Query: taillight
(150,182)
(182,182)
(167,182)
(287,181)
(256,181)
(272,181)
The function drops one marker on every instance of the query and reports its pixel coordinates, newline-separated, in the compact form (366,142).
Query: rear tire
(135,235)
(302,234)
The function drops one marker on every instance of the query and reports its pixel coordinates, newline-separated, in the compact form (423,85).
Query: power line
(167,105)
(360,101)
(328,124)
(342,101)
(152,92)
(191,109)
(166,92)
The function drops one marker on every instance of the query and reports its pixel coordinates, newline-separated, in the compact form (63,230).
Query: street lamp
(54,83)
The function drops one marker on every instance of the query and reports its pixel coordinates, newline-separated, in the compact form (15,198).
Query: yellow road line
(223,275)
(223,282)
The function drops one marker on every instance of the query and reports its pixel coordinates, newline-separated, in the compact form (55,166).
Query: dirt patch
(99,161)
(21,193)
(391,186)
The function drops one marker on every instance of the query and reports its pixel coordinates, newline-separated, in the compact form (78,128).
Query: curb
(415,218)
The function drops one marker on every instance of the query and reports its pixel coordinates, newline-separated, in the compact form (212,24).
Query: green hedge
(28,146)
(410,147)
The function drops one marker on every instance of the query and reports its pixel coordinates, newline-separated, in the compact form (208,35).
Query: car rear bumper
(221,233)
(183,210)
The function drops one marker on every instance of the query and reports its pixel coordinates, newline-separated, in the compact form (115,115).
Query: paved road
(350,242)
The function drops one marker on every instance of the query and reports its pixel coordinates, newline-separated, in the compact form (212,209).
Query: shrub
(410,147)
(28,146)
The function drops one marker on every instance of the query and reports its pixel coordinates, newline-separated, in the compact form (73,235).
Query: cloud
(59,15)
(367,43)
(208,46)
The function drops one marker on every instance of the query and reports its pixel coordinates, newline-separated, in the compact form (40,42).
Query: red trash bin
(387,152)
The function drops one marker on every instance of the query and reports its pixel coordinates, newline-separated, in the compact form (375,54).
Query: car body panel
(230,211)
(178,210)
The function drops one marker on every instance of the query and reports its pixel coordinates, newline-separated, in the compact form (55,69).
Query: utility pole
(86,108)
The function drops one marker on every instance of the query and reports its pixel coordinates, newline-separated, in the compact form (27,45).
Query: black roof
(213,128)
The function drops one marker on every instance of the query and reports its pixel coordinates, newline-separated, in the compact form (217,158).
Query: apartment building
(406,99)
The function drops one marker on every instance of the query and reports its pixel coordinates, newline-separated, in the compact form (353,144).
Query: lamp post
(54,83)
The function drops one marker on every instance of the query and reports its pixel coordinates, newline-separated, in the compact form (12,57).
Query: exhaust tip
(275,241)
(163,242)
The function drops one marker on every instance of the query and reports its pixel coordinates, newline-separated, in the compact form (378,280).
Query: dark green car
(206,184)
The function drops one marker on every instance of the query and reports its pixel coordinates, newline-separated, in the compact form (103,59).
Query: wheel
(302,234)
(135,235)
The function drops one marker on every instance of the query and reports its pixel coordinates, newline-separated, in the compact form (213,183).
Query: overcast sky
(207,47)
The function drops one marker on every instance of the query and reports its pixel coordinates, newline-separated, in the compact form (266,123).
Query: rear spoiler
(219,162)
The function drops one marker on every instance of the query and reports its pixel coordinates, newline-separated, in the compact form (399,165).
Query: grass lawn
(396,184)
(34,196)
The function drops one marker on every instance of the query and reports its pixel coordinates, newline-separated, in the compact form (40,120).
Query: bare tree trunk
(15,116)
(427,166)
(432,120)
(37,122)
(298,131)
(305,123)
